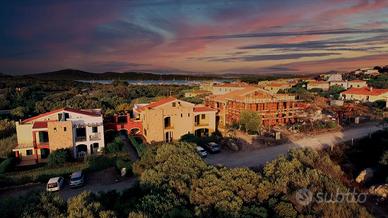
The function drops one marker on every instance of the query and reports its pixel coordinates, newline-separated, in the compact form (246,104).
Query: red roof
(85,112)
(157,103)
(365,91)
(39,125)
(203,109)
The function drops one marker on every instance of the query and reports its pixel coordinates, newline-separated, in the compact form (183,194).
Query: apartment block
(168,119)
(275,109)
(80,130)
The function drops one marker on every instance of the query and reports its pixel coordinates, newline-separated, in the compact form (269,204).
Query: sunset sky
(212,36)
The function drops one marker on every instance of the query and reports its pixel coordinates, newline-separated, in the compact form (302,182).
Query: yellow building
(168,119)
(318,85)
(196,93)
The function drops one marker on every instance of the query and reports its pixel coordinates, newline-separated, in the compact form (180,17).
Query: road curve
(261,156)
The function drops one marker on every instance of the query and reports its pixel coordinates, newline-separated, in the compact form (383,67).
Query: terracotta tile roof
(365,91)
(157,103)
(238,94)
(85,112)
(39,125)
(203,109)
(318,82)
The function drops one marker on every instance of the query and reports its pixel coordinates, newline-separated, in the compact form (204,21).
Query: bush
(58,157)
(6,146)
(124,162)
(190,138)
(116,146)
(96,163)
(6,165)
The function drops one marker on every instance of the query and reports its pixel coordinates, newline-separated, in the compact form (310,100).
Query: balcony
(80,138)
(201,124)
(95,137)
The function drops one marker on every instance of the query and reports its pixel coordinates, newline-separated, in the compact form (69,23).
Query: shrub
(191,138)
(124,162)
(115,147)
(6,165)
(96,163)
(58,157)
(6,145)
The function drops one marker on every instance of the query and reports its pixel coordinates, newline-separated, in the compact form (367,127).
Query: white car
(77,179)
(201,151)
(55,184)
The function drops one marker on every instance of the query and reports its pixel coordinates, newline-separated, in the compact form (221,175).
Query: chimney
(370,88)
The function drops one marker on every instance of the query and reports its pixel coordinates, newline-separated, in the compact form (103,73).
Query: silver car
(77,179)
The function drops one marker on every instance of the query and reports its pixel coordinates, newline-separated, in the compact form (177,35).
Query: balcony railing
(80,138)
(95,137)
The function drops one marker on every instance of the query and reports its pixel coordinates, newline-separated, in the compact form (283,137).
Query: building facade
(169,119)
(80,130)
(275,109)
(318,85)
(365,94)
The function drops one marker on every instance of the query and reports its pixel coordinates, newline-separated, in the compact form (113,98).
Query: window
(55,129)
(94,129)
(188,114)
(64,129)
(145,132)
(203,116)
(29,152)
(167,122)
(181,115)
(174,104)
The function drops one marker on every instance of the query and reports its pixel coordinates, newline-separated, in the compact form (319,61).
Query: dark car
(213,147)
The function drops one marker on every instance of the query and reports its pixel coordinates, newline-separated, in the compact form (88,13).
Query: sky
(193,36)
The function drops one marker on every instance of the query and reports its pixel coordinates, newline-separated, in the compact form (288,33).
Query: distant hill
(72,74)
(4,76)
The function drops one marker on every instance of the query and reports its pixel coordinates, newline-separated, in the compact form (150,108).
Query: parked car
(55,184)
(213,147)
(201,151)
(77,179)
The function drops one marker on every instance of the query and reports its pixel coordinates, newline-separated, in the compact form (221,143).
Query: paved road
(261,156)
(96,182)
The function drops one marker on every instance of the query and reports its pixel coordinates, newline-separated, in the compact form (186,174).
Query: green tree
(250,121)
(86,205)
(58,157)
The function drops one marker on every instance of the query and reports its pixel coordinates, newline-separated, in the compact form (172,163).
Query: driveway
(261,156)
(101,181)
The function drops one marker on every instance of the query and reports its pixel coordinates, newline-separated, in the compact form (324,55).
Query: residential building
(275,109)
(349,84)
(275,86)
(333,77)
(367,71)
(195,93)
(80,130)
(324,85)
(365,94)
(223,88)
(169,119)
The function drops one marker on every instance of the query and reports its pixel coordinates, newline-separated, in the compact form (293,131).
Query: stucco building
(168,119)
(365,94)
(80,130)
(324,85)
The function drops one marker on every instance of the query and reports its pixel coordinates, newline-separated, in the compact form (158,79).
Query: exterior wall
(324,86)
(369,98)
(356,84)
(59,138)
(343,84)
(219,90)
(182,120)
(272,113)
(24,134)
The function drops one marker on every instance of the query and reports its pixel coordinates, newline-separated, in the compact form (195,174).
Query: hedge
(6,164)
(139,147)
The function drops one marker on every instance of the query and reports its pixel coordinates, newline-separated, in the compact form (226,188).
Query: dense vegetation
(30,97)
(176,182)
